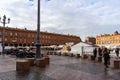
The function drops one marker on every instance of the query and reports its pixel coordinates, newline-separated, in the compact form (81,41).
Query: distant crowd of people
(104,52)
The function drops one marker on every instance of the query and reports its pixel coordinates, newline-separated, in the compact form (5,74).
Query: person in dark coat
(106,57)
(95,53)
(117,52)
(99,51)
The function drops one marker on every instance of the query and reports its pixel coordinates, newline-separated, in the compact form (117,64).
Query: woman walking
(106,57)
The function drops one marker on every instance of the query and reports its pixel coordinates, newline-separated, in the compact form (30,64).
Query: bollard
(65,54)
(71,54)
(31,61)
(84,56)
(22,65)
(55,53)
(78,55)
(47,60)
(91,57)
(59,53)
(99,59)
(40,62)
(116,64)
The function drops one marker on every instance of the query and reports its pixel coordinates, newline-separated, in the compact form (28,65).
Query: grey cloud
(79,17)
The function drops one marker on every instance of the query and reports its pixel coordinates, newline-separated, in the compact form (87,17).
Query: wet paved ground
(60,68)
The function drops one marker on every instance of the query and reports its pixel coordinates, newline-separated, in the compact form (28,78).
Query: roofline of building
(24,29)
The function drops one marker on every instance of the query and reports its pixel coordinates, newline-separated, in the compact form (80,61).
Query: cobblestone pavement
(60,68)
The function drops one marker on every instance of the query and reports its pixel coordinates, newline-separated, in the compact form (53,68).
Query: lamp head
(8,20)
(4,17)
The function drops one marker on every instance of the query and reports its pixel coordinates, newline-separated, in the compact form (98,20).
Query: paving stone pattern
(60,68)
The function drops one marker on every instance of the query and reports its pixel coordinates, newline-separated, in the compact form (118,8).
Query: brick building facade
(89,39)
(108,39)
(24,37)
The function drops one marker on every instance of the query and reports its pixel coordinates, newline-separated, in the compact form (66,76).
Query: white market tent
(82,47)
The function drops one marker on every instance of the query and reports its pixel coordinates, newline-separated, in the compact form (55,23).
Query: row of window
(108,42)
(11,34)
(18,34)
(110,38)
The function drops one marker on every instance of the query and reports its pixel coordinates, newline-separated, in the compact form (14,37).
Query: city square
(59,40)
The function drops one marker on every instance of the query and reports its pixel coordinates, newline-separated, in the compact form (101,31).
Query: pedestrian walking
(106,57)
(95,53)
(117,52)
(99,52)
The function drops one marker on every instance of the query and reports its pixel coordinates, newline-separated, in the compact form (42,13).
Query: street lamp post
(38,51)
(3,21)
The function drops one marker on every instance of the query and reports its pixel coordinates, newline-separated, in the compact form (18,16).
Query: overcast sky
(76,17)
